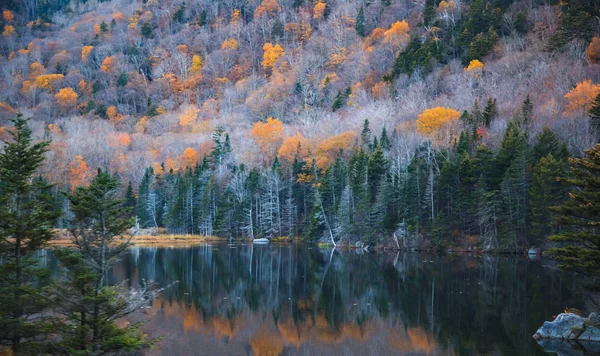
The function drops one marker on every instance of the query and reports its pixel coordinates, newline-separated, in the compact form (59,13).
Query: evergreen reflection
(274,300)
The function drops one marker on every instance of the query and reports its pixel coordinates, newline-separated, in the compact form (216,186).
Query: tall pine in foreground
(26,216)
(580,217)
(99,228)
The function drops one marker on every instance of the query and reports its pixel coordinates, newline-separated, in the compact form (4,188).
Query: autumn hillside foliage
(261,94)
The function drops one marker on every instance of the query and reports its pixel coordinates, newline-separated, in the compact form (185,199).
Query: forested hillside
(442,123)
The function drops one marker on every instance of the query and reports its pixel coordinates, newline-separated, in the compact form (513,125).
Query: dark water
(296,300)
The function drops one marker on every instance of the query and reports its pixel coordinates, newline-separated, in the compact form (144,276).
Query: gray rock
(569,326)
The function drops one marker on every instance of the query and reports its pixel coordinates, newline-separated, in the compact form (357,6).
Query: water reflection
(296,300)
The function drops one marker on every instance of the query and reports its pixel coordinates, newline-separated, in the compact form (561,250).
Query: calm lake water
(297,300)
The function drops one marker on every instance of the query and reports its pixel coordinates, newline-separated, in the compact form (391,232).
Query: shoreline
(165,240)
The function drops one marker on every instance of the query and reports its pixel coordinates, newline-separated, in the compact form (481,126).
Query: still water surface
(297,300)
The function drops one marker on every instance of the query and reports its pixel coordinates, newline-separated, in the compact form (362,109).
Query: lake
(299,300)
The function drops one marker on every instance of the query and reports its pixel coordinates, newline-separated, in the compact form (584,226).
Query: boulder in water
(568,326)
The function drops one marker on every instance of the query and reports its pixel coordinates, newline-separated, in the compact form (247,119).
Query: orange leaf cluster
(85,53)
(593,51)
(112,112)
(271,55)
(474,65)
(338,57)
(189,116)
(580,97)
(319,10)
(8,15)
(331,146)
(47,81)
(119,139)
(79,173)
(267,135)
(66,97)
(196,63)
(235,16)
(230,43)
(446,6)
(300,32)
(108,64)
(36,69)
(433,119)
(267,7)
(294,146)
(397,35)
(9,30)
(189,157)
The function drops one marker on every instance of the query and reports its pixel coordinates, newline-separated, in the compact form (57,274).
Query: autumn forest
(436,124)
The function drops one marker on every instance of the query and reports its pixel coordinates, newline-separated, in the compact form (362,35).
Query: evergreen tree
(360,22)
(179,15)
(547,142)
(338,102)
(490,112)
(428,12)
(595,116)
(277,31)
(147,30)
(98,225)
(580,217)
(365,134)
(546,191)
(26,215)
(130,199)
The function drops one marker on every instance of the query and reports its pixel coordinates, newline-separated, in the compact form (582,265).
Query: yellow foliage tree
(47,81)
(271,55)
(8,15)
(230,43)
(9,31)
(112,112)
(593,51)
(196,63)
(189,116)
(397,35)
(474,66)
(294,147)
(66,97)
(78,173)
(267,7)
(85,53)
(108,64)
(319,10)
(267,135)
(438,124)
(580,97)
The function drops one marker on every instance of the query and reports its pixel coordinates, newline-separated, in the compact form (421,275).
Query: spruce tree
(579,217)
(360,22)
(26,218)
(595,117)
(428,12)
(99,235)
(490,112)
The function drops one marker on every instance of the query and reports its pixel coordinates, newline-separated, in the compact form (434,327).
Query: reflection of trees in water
(292,295)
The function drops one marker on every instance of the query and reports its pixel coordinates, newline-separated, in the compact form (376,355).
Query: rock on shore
(569,326)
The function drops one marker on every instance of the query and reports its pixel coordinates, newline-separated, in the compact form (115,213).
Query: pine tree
(428,12)
(130,199)
(338,102)
(490,112)
(98,225)
(579,216)
(365,134)
(104,27)
(595,117)
(26,215)
(147,30)
(360,22)
(547,142)
(547,190)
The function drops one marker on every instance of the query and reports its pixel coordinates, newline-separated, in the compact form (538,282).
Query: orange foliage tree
(85,53)
(267,7)
(66,97)
(438,123)
(397,35)
(267,135)
(196,63)
(47,81)
(593,51)
(108,64)
(230,43)
(271,55)
(36,69)
(8,15)
(474,65)
(581,97)
(79,173)
(331,146)
(319,10)
(294,147)
(189,116)
(9,31)
(189,157)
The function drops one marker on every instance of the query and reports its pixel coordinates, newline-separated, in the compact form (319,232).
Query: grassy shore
(154,240)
